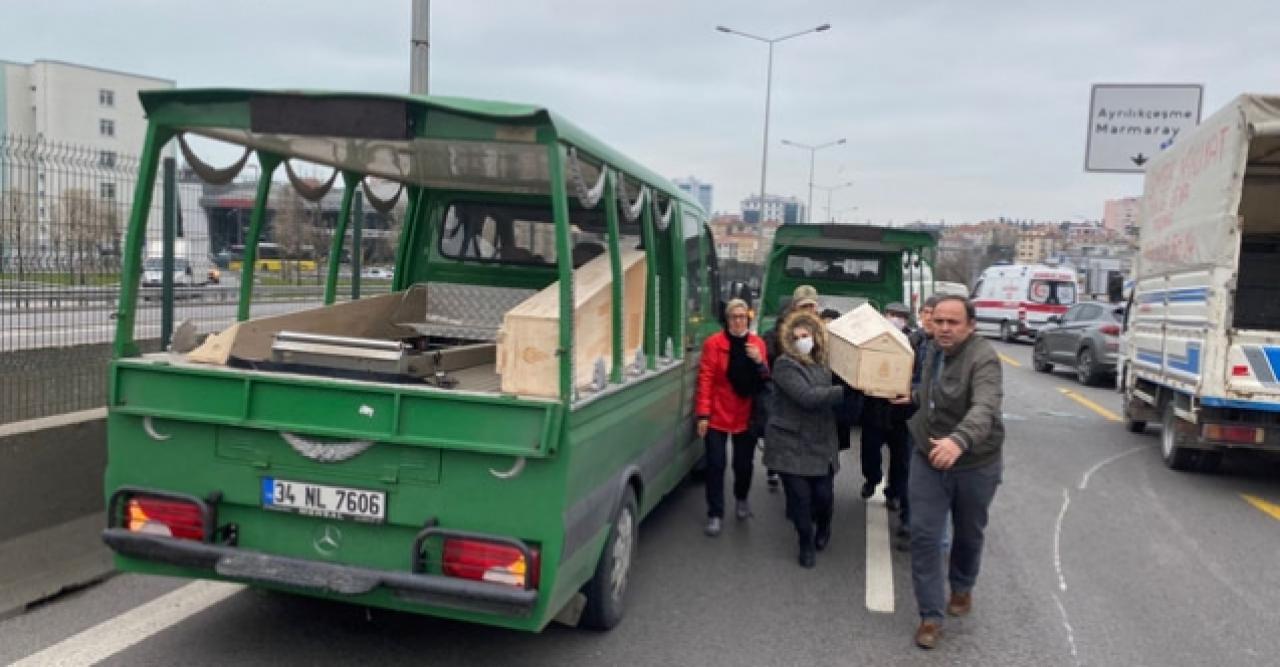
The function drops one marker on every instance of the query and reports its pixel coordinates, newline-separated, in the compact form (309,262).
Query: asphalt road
(1096,555)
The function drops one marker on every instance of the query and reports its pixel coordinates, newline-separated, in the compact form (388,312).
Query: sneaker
(868,489)
(743,510)
(960,604)
(927,634)
(773,481)
(713,526)
(808,559)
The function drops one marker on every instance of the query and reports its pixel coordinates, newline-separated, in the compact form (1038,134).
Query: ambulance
(1016,300)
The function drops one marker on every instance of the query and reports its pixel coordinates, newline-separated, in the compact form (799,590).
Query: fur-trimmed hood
(811,322)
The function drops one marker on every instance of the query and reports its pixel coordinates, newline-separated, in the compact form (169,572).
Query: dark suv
(1086,337)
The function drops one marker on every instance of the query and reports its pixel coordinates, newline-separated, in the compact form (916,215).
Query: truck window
(513,234)
(1052,292)
(833,266)
(693,260)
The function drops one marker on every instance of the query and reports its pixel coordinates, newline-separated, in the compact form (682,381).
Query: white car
(376,273)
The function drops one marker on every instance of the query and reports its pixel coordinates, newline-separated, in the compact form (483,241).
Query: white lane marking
(111,637)
(1084,481)
(1057,539)
(1066,623)
(879,557)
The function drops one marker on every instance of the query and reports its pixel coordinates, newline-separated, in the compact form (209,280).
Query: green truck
(364,450)
(849,265)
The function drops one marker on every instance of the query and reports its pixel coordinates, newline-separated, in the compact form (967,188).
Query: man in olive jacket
(957,463)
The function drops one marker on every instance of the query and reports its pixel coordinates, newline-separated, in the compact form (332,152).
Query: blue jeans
(967,496)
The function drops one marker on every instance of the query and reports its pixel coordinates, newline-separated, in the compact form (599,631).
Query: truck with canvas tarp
(479,443)
(1202,331)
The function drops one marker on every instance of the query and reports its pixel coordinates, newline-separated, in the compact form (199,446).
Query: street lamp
(812,151)
(768,89)
(830,189)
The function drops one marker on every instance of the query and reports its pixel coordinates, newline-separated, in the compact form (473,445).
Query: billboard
(1131,123)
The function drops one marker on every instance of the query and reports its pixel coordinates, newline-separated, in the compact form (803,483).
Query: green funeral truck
(849,265)
(481,442)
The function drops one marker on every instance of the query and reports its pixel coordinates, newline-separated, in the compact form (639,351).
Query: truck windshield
(1052,292)
(833,266)
(514,234)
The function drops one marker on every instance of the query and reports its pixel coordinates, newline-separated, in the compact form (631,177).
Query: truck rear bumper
(256,567)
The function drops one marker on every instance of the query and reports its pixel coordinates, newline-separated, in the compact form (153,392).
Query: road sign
(1130,123)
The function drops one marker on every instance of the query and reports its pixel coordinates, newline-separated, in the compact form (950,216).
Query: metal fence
(64,210)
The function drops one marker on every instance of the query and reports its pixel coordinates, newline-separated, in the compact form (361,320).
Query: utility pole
(419,46)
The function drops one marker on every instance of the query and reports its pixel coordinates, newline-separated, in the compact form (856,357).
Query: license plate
(337,502)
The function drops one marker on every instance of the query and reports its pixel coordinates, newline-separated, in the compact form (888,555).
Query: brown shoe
(927,634)
(960,604)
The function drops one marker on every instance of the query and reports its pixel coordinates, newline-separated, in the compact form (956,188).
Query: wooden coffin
(870,354)
(527,359)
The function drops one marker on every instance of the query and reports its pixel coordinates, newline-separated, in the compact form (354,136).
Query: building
(1121,215)
(701,191)
(735,239)
(1035,245)
(784,210)
(88,116)
(75,104)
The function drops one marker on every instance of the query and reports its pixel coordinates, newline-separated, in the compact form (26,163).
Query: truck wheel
(1177,458)
(1007,333)
(1040,358)
(1087,368)
(606,592)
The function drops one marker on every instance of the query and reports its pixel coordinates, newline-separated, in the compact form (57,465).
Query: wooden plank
(527,355)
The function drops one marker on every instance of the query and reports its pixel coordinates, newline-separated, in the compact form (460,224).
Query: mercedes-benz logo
(328,540)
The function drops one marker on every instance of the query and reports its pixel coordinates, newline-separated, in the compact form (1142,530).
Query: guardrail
(28,298)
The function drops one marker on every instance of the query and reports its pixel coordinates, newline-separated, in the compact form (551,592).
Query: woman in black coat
(800,440)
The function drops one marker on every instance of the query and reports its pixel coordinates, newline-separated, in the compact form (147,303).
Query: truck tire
(1087,368)
(607,591)
(1176,457)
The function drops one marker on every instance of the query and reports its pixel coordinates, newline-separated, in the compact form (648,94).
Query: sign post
(1130,123)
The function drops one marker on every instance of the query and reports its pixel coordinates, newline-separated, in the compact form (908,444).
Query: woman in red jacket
(734,369)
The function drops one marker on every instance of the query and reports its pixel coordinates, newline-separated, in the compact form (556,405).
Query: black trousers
(744,452)
(899,440)
(810,503)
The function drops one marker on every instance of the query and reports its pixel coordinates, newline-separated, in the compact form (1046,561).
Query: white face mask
(897,322)
(804,345)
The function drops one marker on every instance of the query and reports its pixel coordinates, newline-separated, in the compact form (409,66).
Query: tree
(291,229)
(18,231)
(82,225)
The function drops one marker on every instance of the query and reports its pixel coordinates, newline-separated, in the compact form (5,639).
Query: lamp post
(812,151)
(830,189)
(768,89)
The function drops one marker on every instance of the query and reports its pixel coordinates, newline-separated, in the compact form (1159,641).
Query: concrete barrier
(51,488)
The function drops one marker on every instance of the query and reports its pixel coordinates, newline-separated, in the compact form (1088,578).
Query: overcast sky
(955,110)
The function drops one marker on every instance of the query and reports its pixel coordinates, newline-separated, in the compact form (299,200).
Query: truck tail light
(1110,329)
(165,516)
(1240,371)
(479,560)
(1249,435)
(1022,315)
